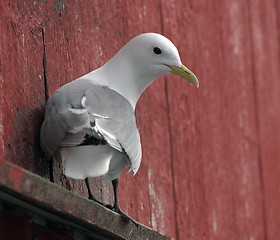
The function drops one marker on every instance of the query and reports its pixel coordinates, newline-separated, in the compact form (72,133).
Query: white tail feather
(86,161)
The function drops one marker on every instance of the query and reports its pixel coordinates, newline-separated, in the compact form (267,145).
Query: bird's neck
(123,77)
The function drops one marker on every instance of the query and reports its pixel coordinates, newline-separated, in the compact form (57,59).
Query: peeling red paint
(16,176)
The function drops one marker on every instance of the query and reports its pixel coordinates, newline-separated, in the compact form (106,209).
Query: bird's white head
(154,54)
(141,60)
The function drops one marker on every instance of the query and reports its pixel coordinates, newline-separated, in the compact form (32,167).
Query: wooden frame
(39,197)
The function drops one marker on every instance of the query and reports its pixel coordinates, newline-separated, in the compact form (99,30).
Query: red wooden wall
(211,157)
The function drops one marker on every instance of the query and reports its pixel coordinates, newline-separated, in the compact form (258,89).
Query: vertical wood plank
(214,147)
(80,37)
(152,196)
(184,106)
(264,21)
(241,144)
(1,111)
(154,193)
(22,84)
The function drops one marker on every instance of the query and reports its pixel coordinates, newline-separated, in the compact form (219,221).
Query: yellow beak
(185,73)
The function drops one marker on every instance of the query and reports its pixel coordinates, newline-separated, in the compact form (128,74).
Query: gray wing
(80,111)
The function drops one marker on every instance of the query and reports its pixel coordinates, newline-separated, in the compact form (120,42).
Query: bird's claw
(125,216)
(109,206)
(92,198)
(114,208)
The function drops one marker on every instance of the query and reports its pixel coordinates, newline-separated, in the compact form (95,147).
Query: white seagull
(89,123)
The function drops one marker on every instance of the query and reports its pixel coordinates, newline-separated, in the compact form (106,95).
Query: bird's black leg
(116,206)
(115,184)
(51,169)
(90,196)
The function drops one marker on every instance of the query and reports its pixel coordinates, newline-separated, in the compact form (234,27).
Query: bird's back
(82,109)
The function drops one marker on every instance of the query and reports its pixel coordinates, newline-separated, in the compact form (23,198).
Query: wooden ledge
(52,202)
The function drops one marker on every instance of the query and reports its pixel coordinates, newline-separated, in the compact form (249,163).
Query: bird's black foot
(92,198)
(124,215)
(109,206)
(116,207)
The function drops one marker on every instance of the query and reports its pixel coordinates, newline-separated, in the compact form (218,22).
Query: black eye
(157,50)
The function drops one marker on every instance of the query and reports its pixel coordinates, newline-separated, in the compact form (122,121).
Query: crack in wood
(45,66)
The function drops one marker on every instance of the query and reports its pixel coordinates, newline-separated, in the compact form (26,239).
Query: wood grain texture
(22,84)
(214,146)
(241,143)
(265,55)
(152,201)
(189,191)
(210,167)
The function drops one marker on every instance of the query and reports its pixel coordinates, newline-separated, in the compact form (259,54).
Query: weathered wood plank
(214,148)
(241,143)
(51,202)
(264,21)
(184,106)
(22,83)
(154,194)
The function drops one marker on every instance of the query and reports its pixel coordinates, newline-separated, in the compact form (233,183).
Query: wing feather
(81,108)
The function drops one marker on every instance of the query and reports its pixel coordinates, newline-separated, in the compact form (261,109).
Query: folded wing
(81,113)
